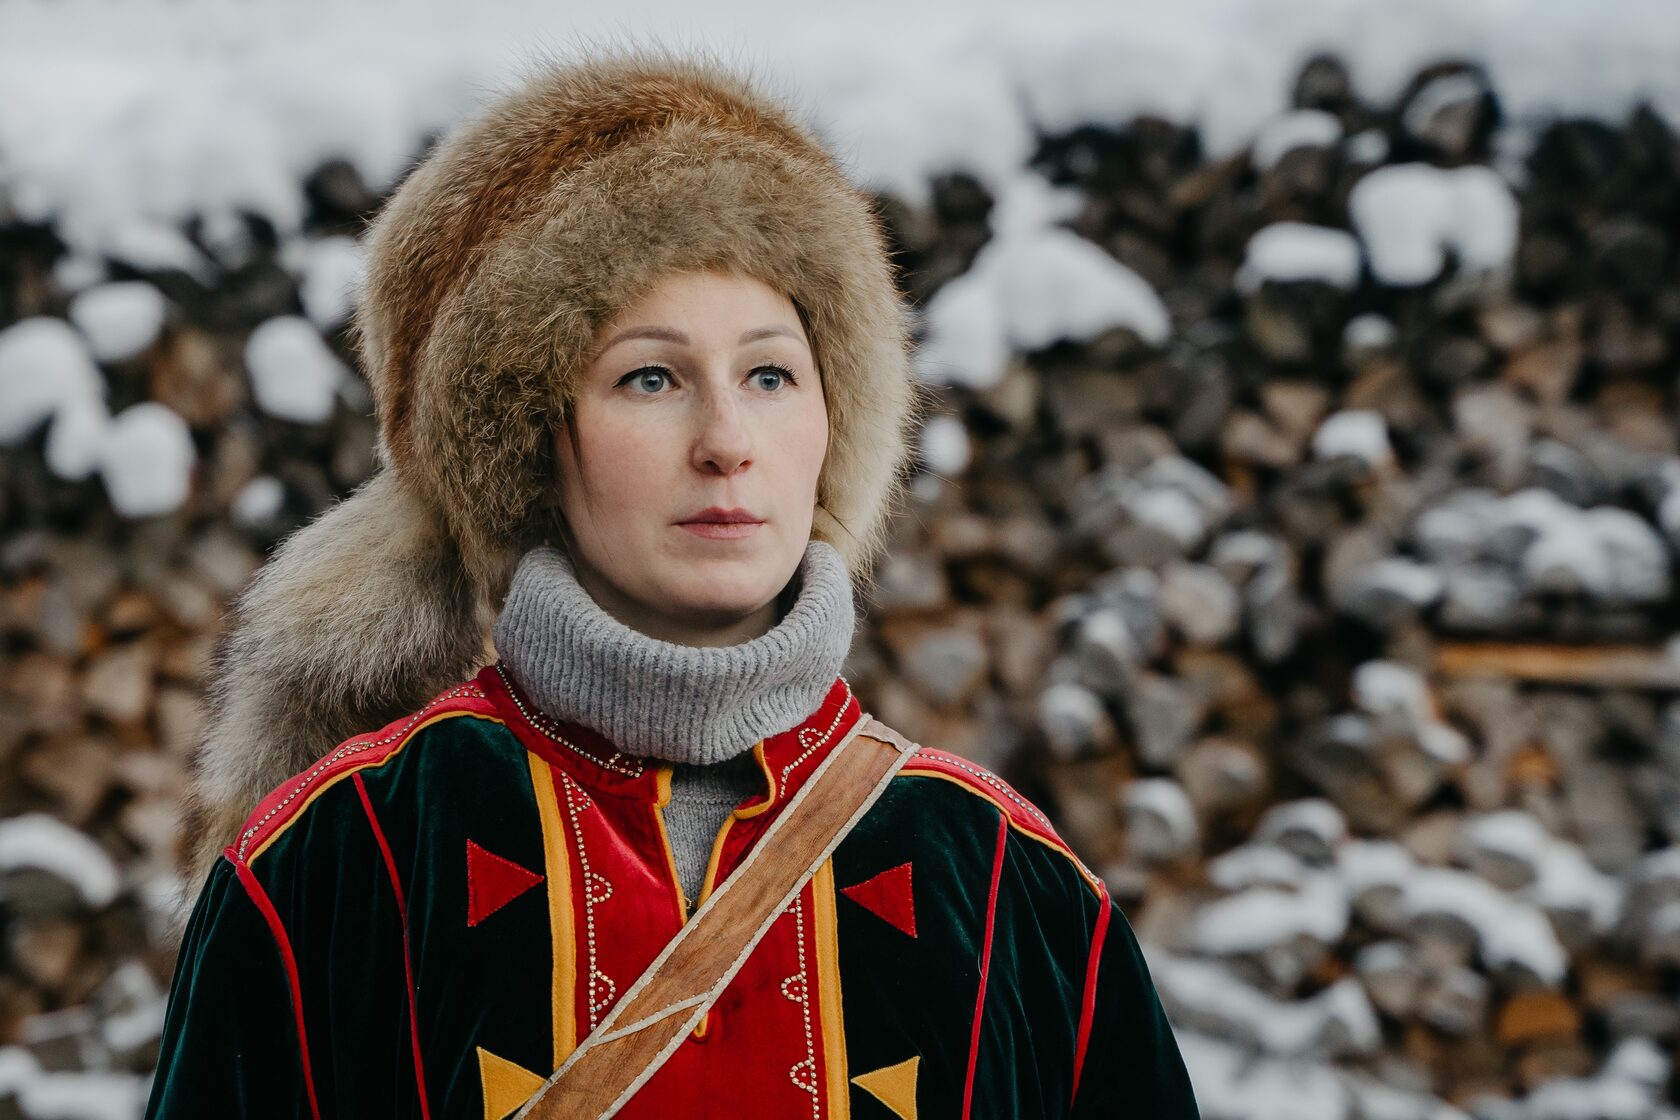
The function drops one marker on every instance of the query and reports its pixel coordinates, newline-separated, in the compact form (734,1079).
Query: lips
(717,515)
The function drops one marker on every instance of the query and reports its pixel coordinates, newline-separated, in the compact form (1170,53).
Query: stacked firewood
(1336,627)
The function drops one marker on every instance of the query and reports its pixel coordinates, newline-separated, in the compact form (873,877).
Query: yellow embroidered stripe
(327,781)
(1090,877)
(662,784)
(557,865)
(828,992)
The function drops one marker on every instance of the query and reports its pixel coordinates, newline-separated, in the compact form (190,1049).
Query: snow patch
(44,365)
(1295,251)
(294,375)
(120,319)
(1411,215)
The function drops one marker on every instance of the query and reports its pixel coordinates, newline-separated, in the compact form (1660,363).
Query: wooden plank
(1602,666)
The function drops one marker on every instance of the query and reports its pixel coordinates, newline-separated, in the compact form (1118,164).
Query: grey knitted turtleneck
(701,708)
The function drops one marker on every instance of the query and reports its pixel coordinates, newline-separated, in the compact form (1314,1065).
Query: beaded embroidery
(350,747)
(542,723)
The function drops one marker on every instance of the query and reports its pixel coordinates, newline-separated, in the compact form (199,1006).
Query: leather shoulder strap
(651,1019)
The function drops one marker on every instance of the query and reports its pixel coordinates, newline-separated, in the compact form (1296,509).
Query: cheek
(802,445)
(620,455)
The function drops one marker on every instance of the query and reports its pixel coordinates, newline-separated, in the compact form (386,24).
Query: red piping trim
(985,964)
(1090,1001)
(260,897)
(408,966)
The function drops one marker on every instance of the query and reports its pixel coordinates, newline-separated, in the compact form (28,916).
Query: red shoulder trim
(281,807)
(288,961)
(1017,810)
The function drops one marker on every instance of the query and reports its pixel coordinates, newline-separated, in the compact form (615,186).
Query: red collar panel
(786,758)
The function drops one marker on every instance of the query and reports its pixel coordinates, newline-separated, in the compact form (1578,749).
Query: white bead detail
(599,981)
(353,746)
(548,728)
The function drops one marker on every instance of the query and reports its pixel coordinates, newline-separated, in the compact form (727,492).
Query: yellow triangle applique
(507,1085)
(894,1086)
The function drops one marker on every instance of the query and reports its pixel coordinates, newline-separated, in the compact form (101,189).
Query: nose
(722,443)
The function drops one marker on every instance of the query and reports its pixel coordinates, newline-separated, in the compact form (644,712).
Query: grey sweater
(701,708)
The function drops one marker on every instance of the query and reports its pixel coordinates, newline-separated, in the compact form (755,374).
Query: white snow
(159,111)
(1638,1060)
(1172,511)
(1442,93)
(134,1028)
(93,1095)
(1371,864)
(1359,432)
(1165,800)
(258,500)
(1568,883)
(148,460)
(75,271)
(1410,215)
(146,243)
(1377,1100)
(1606,552)
(1589,1098)
(1369,147)
(1292,251)
(43,841)
(56,1095)
(1254,865)
(1259,918)
(330,270)
(1369,331)
(1067,713)
(294,375)
(119,319)
(945,445)
(1208,996)
(1232,1084)
(44,365)
(1389,688)
(1312,816)
(966,343)
(1512,833)
(1402,576)
(76,440)
(1025,290)
(1443,742)
(1661,867)
(1508,930)
(1298,128)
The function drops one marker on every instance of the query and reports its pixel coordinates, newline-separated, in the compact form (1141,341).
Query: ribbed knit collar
(663,700)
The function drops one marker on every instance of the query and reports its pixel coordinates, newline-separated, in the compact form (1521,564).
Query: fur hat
(488,273)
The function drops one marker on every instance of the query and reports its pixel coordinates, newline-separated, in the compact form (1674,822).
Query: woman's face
(702,397)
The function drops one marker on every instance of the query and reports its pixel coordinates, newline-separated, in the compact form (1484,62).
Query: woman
(641,380)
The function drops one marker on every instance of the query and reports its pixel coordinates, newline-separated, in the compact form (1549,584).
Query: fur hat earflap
(488,274)
(358,618)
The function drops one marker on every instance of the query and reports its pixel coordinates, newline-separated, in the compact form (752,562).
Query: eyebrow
(666,334)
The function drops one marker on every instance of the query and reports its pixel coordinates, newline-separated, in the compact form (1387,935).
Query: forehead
(683,307)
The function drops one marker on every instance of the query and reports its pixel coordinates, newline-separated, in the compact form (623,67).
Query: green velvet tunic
(426,922)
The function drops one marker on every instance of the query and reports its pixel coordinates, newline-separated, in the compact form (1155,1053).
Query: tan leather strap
(651,1019)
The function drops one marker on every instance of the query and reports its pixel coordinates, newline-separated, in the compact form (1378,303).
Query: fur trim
(495,262)
(358,618)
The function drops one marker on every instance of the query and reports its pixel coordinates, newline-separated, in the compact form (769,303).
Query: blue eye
(773,367)
(660,371)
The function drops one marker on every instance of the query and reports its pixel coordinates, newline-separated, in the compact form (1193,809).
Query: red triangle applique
(493,882)
(887,896)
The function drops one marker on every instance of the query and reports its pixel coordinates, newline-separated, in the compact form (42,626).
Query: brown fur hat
(489,271)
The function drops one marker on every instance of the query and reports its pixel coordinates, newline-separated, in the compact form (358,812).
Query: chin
(725,588)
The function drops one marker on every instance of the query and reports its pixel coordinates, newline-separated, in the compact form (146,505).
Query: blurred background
(1299,526)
